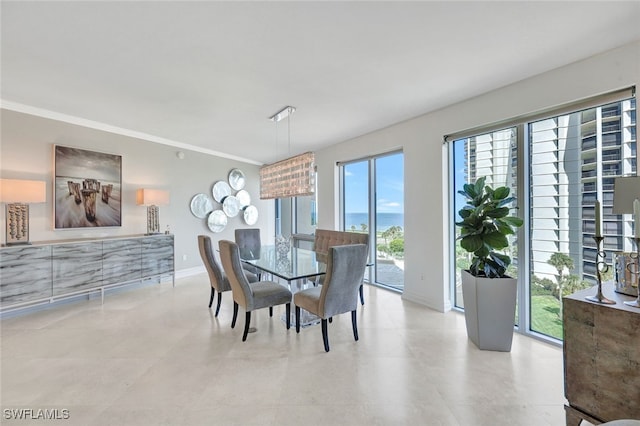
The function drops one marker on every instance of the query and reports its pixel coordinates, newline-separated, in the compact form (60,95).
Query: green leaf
(499,212)
(501,192)
(503,227)
(493,269)
(471,243)
(479,185)
(513,221)
(482,252)
(469,190)
(506,201)
(496,240)
(466,211)
(502,259)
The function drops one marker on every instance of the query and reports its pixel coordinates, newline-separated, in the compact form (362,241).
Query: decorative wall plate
(217,221)
(243,198)
(201,205)
(251,215)
(231,206)
(236,179)
(220,191)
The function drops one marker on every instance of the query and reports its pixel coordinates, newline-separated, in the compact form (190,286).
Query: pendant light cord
(289,134)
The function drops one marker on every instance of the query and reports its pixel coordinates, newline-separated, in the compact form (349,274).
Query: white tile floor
(158,356)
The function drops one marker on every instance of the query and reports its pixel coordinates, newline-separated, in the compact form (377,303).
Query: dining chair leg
(219,302)
(270,311)
(247,321)
(235,314)
(354,324)
(362,294)
(297,319)
(288,307)
(213,292)
(325,335)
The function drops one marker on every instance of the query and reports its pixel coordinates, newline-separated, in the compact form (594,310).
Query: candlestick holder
(630,267)
(601,266)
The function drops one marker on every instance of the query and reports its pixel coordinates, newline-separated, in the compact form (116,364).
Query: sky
(389,185)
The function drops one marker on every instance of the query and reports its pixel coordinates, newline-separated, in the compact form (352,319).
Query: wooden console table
(47,271)
(601,358)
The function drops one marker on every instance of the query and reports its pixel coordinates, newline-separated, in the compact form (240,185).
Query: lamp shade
(292,177)
(152,197)
(23,191)
(625,191)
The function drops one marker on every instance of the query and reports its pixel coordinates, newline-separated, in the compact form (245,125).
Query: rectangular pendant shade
(292,177)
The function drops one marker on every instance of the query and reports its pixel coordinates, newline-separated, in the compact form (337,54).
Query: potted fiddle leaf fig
(489,294)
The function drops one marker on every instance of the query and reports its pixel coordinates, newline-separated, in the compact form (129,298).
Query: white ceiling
(209,74)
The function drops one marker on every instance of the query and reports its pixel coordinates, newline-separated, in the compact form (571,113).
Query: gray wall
(426,163)
(26,152)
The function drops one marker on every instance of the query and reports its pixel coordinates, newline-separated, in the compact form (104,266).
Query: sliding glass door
(492,155)
(373,203)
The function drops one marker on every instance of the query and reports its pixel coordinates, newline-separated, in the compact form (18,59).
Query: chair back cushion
(248,241)
(216,276)
(345,271)
(232,265)
(325,238)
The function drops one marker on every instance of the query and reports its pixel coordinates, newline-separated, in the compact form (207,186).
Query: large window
(373,203)
(558,166)
(574,159)
(491,155)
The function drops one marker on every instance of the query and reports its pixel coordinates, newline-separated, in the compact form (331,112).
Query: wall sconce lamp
(625,190)
(152,198)
(17,194)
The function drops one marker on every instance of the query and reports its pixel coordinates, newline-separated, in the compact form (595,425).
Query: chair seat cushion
(309,300)
(268,293)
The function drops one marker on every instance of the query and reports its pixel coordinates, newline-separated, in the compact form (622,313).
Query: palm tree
(560,261)
(391,233)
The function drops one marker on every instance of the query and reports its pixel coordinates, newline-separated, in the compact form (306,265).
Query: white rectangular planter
(489,311)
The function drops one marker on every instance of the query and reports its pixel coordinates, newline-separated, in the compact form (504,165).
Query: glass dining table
(294,265)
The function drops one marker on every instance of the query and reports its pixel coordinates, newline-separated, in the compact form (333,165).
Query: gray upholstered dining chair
(338,294)
(325,238)
(217,278)
(250,296)
(248,240)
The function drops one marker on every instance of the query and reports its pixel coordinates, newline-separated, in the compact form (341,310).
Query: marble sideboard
(47,271)
(601,358)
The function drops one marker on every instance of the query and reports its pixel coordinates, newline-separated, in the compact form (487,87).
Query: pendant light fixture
(292,177)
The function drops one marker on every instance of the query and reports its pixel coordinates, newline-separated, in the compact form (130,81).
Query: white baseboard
(422,301)
(189,272)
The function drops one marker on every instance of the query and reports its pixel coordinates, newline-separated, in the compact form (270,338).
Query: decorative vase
(283,245)
(489,311)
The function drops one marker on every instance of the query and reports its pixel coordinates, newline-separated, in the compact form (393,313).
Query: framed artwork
(87,188)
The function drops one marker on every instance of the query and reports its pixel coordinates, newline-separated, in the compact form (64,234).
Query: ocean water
(384,220)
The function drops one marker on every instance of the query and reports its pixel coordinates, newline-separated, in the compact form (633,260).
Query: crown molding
(44,113)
